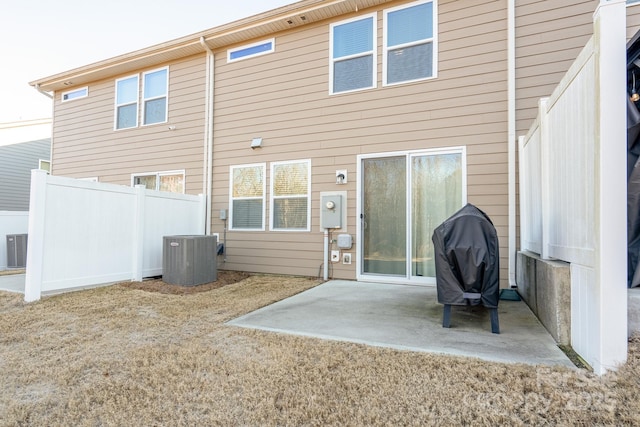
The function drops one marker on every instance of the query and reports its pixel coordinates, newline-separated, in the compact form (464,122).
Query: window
(353,54)
(171,181)
(247,197)
(44,165)
(127,102)
(75,94)
(409,43)
(154,99)
(251,50)
(290,192)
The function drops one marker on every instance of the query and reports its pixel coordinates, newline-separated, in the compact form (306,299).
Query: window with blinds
(409,43)
(290,195)
(353,54)
(247,197)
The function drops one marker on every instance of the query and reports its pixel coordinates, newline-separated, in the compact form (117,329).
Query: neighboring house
(405,109)
(24,145)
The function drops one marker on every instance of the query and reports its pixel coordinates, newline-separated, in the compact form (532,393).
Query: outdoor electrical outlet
(335,256)
(346,258)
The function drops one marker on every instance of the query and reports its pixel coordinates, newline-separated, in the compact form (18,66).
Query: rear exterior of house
(416,104)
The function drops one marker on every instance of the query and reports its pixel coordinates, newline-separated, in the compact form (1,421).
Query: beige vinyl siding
(549,36)
(284,98)
(86,144)
(633,19)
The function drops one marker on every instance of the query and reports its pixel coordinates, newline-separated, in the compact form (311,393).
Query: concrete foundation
(545,286)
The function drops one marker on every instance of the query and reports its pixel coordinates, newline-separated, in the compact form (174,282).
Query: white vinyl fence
(11,223)
(573,188)
(85,233)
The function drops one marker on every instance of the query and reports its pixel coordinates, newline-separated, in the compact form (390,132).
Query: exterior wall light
(341,176)
(256,143)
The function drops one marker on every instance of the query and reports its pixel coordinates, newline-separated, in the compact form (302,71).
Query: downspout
(511,130)
(47,94)
(208,133)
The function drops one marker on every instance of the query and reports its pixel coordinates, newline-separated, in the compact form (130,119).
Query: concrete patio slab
(408,317)
(12,283)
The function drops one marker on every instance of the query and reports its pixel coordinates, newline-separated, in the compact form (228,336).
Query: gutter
(47,94)
(208,133)
(511,135)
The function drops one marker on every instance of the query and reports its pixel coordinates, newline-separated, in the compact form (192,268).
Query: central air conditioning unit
(189,260)
(16,250)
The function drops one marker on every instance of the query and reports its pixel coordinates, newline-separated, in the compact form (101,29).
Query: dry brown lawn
(130,355)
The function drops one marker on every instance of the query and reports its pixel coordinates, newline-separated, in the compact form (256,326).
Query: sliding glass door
(404,197)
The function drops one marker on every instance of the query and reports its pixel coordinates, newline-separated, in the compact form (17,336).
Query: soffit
(262,25)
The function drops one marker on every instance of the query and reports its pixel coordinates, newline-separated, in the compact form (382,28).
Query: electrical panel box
(16,250)
(331,211)
(189,260)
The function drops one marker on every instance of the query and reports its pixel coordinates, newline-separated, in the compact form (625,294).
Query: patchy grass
(125,356)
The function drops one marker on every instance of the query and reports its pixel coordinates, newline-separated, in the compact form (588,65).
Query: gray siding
(16,163)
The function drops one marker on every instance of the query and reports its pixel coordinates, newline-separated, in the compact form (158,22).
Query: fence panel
(87,233)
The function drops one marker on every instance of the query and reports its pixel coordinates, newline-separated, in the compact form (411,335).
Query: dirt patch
(157,285)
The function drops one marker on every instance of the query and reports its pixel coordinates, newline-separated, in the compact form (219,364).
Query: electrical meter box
(331,211)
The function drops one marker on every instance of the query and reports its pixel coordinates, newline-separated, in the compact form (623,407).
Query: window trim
(374,52)
(433,40)
(263,197)
(116,105)
(249,46)
(144,100)
(272,196)
(81,89)
(41,161)
(158,175)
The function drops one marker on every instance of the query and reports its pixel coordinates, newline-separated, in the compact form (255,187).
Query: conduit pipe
(511,135)
(208,133)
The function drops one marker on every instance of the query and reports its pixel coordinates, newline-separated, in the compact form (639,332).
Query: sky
(40,38)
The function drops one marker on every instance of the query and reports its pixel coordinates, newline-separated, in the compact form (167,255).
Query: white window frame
(332,60)
(165,96)
(40,163)
(116,105)
(433,40)
(158,175)
(272,196)
(249,46)
(263,197)
(74,91)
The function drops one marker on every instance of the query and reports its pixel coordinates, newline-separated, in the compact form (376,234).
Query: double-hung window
(290,193)
(247,192)
(152,98)
(409,43)
(155,96)
(127,102)
(353,54)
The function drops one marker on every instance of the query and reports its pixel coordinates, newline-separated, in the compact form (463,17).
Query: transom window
(353,55)
(154,99)
(247,192)
(290,192)
(70,95)
(171,181)
(409,52)
(251,50)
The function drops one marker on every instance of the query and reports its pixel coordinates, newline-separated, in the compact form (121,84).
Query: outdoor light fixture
(256,143)
(634,93)
(341,176)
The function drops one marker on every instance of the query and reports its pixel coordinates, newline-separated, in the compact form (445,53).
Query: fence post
(524,176)
(545,184)
(203,213)
(35,248)
(610,184)
(138,234)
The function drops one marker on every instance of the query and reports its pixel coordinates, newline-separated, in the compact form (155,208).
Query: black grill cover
(466,256)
